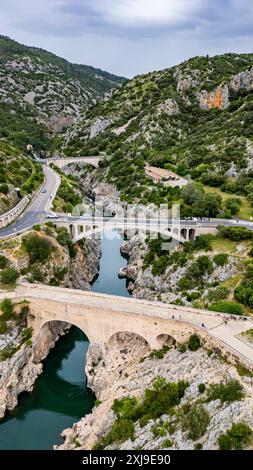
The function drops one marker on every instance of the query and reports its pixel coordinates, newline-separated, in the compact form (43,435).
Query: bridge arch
(166,340)
(192,234)
(72,230)
(183,233)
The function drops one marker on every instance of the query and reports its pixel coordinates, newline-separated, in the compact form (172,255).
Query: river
(60,396)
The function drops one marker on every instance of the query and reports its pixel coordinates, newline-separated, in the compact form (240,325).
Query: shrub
(166,444)
(4,188)
(236,437)
(226,392)
(38,248)
(243,371)
(220,293)
(221,259)
(159,353)
(225,442)
(226,306)
(3,262)
(26,334)
(8,352)
(3,327)
(9,276)
(196,421)
(198,446)
(158,400)
(7,309)
(182,348)
(236,234)
(194,342)
(201,388)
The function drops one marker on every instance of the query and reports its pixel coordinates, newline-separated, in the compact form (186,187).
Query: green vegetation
(34,181)
(61,89)
(195,420)
(195,143)
(221,259)
(217,294)
(235,233)
(237,437)
(3,262)
(166,444)
(67,197)
(244,293)
(226,392)
(9,276)
(159,353)
(8,352)
(243,371)
(194,343)
(226,306)
(201,388)
(64,239)
(37,247)
(156,402)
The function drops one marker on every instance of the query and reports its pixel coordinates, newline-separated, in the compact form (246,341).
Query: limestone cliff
(19,372)
(123,372)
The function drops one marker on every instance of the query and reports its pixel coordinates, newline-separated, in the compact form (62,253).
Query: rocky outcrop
(99,126)
(106,194)
(122,372)
(219,98)
(242,81)
(85,266)
(169,107)
(19,373)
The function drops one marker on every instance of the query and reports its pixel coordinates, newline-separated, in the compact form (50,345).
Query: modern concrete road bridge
(102,316)
(61,162)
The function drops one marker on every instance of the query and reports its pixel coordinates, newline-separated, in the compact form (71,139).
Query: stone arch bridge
(181,230)
(61,162)
(102,316)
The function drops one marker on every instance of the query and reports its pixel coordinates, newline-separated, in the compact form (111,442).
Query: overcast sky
(129,37)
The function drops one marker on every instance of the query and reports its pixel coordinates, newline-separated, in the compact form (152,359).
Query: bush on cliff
(226,306)
(9,276)
(38,248)
(226,392)
(236,437)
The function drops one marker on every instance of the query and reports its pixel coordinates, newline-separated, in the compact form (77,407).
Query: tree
(227,306)
(192,193)
(3,262)
(233,205)
(194,342)
(38,248)
(208,206)
(9,276)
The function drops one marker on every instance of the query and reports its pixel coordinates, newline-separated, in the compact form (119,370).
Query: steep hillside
(40,92)
(16,171)
(194,119)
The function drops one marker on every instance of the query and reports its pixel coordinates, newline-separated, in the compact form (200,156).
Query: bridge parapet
(101,316)
(65,161)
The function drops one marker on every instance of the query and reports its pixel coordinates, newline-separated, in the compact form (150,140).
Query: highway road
(37,210)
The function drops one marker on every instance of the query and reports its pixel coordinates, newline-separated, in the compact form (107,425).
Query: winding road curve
(37,210)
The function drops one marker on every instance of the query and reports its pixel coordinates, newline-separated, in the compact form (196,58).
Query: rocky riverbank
(21,361)
(128,370)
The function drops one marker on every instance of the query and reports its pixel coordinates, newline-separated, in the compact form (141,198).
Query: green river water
(60,395)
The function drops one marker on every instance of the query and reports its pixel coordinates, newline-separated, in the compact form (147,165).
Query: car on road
(52,216)
(44,191)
